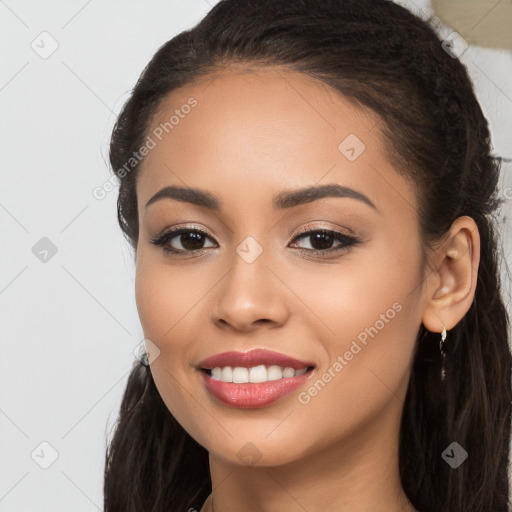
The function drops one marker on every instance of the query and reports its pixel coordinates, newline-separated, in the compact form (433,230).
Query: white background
(68,326)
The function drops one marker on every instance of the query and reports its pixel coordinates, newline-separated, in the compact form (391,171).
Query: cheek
(369,307)
(168,302)
(162,297)
(370,351)
(355,293)
(161,303)
(152,302)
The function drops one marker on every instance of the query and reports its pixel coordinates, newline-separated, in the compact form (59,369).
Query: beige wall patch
(486,23)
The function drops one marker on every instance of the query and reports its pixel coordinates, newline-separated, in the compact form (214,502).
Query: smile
(252,395)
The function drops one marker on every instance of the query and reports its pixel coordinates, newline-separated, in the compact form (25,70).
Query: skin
(253,134)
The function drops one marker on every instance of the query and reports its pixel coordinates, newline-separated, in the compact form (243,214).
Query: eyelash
(348,241)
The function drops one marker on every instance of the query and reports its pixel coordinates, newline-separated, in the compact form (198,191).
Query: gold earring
(443,354)
(441,343)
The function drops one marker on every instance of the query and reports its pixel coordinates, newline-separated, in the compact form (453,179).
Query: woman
(308,189)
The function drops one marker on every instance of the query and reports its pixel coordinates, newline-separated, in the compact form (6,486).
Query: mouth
(236,387)
(253,379)
(258,363)
(255,374)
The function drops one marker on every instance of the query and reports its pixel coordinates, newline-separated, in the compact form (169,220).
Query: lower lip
(253,395)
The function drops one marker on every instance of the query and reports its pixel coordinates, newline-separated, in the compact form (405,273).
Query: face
(255,274)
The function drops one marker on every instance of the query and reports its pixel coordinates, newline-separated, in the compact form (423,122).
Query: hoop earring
(144,359)
(443,353)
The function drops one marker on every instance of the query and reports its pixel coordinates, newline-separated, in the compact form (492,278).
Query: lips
(252,358)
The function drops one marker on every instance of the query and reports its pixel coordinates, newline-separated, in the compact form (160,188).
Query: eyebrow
(286,199)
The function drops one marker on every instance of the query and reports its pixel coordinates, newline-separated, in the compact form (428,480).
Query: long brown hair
(384,58)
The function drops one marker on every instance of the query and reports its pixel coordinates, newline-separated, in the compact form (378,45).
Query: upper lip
(252,358)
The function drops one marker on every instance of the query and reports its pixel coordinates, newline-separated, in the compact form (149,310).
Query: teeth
(255,374)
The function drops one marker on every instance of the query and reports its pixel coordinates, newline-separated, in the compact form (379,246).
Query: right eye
(191,240)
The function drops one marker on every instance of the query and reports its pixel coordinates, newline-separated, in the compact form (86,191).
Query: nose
(250,294)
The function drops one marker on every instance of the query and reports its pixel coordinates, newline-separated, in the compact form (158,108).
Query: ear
(451,284)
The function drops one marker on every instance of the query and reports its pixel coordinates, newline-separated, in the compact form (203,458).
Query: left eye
(323,239)
(192,240)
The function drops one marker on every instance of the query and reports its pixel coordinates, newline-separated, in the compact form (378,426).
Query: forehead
(266,129)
